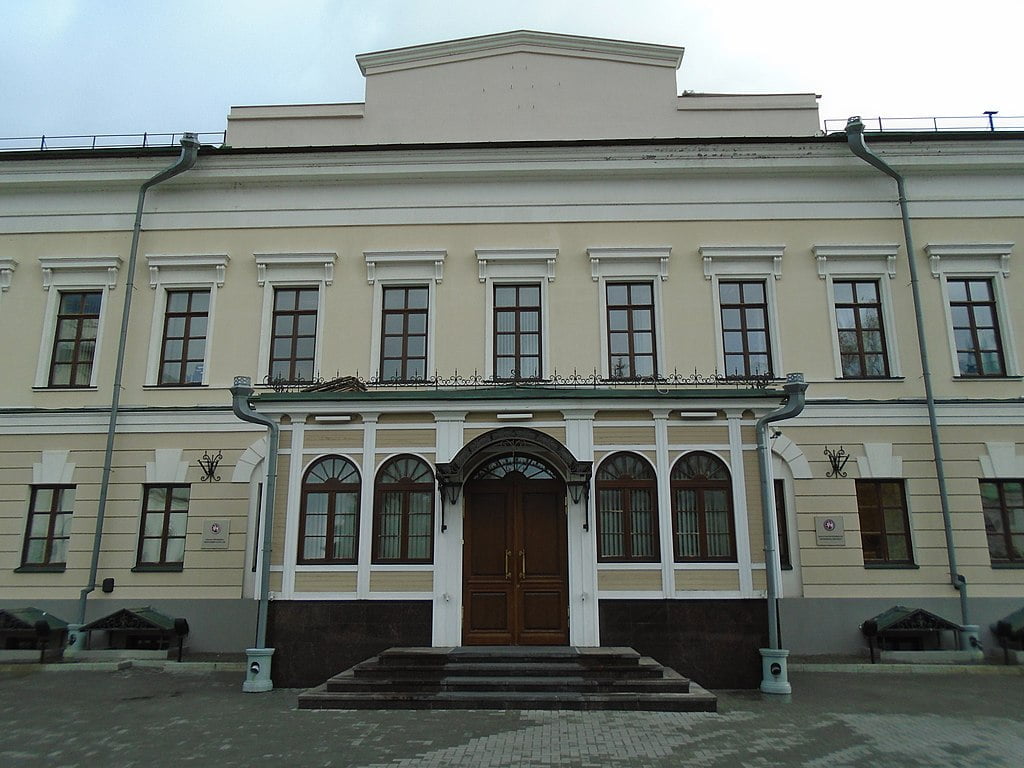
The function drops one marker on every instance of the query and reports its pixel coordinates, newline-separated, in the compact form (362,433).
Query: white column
(291,527)
(447,619)
(668,576)
(368,472)
(584,618)
(739,500)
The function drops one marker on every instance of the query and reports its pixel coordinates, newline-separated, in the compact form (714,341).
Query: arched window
(403,519)
(627,510)
(702,510)
(527,466)
(329,514)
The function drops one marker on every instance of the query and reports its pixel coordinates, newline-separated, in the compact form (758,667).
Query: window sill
(1010,377)
(65,389)
(175,386)
(165,568)
(41,569)
(893,566)
(1019,565)
(872,378)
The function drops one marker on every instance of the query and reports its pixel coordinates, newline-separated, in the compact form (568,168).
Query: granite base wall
(314,640)
(713,642)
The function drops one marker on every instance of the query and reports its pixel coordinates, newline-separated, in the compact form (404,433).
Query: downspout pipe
(187,159)
(259,656)
(855,140)
(795,388)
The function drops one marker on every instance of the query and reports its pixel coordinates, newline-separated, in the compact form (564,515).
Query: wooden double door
(515,569)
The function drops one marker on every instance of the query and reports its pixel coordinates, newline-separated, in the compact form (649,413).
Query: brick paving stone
(142,717)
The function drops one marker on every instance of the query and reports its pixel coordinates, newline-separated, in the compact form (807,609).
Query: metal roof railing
(987,121)
(105,141)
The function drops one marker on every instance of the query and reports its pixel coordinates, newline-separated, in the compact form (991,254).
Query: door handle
(508,573)
(522,563)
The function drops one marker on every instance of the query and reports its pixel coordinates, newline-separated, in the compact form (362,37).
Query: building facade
(517,316)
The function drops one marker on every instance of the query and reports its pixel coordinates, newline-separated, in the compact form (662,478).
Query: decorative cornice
(80,270)
(404,265)
(650,262)
(287,266)
(518,41)
(200,268)
(969,257)
(742,259)
(854,259)
(540,259)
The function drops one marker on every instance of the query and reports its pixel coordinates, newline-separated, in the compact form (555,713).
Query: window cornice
(535,263)
(742,260)
(843,259)
(404,265)
(968,258)
(207,269)
(629,262)
(279,267)
(80,271)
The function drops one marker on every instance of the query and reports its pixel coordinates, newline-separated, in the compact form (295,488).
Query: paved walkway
(151,718)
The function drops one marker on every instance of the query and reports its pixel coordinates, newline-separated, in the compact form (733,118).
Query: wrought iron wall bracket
(209,466)
(837,460)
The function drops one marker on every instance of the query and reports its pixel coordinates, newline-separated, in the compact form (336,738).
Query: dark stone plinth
(316,639)
(713,641)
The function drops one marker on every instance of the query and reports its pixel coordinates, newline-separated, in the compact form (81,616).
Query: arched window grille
(403,519)
(702,518)
(527,466)
(627,510)
(329,512)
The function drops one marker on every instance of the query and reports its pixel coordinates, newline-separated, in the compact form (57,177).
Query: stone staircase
(510,677)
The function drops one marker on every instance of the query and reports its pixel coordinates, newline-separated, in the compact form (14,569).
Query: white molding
(167,467)
(182,269)
(1002,461)
(516,263)
(856,260)
(249,460)
(80,271)
(7,267)
(737,260)
(311,267)
(53,469)
(880,462)
(790,454)
(404,265)
(969,258)
(629,262)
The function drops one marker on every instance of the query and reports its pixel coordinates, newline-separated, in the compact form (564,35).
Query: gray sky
(127,66)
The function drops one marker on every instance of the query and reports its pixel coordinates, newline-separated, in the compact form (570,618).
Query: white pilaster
(739,500)
(584,618)
(368,472)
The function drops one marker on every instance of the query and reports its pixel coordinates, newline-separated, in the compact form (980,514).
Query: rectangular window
(785,560)
(631,347)
(745,341)
(293,343)
(862,349)
(74,341)
(49,527)
(1002,502)
(517,332)
(972,307)
(184,340)
(403,349)
(884,522)
(164,520)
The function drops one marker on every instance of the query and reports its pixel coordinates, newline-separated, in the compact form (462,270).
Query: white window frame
(67,274)
(292,270)
(518,266)
(617,264)
(174,272)
(746,262)
(976,260)
(862,262)
(403,269)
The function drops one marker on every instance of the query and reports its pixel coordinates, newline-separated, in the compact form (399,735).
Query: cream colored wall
(206,573)
(573,300)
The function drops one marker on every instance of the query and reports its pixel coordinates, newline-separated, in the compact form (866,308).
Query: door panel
(516,569)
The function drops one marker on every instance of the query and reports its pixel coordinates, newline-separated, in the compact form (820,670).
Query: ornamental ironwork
(209,466)
(837,459)
(475,380)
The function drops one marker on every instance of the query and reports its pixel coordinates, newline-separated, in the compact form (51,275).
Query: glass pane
(316,525)
(618,320)
(64,351)
(177,301)
(304,348)
(529,344)
(40,526)
(529,322)
(960,316)
(753,293)
(843,292)
(394,323)
(306,325)
(59,551)
(643,365)
(314,548)
(869,318)
(983,317)
(641,293)
(757,341)
(733,341)
(755,318)
(308,299)
(179,498)
(980,290)
(504,296)
(641,320)
(43,499)
(392,346)
(36,551)
(957,290)
(284,299)
(894,522)
(619,343)
(872,341)
(618,293)
(529,296)
(643,343)
(391,370)
(897,548)
(417,322)
(172,350)
(845,317)
(417,298)
(91,305)
(732,319)
(178,522)
(62,525)
(153,524)
(529,368)
(505,322)
(200,301)
(175,550)
(70,303)
(416,369)
(150,551)
(417,346)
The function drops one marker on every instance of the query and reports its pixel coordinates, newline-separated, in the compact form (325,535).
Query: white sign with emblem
(215,534)
(829,531)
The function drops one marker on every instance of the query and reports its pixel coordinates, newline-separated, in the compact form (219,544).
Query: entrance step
(510,677)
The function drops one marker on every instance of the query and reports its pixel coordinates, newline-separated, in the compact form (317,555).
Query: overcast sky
(127,66)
